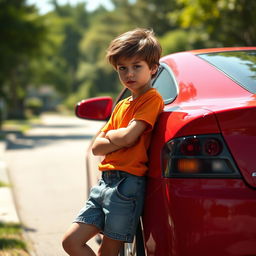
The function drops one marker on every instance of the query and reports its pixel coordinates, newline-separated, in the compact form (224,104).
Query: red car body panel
(199,217)
(232,122)
(203,216)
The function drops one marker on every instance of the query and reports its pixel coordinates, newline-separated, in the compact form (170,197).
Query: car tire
(136,248)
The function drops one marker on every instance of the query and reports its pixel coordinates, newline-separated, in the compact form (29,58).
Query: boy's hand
(102,145)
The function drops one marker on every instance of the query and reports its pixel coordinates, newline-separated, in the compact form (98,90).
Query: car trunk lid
(238,127)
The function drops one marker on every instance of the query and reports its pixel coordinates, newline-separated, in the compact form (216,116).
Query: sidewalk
(7,207)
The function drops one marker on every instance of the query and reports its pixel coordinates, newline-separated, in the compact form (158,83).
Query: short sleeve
(109,125)
(149,110)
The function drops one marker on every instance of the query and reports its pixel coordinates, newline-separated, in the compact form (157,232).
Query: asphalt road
(47,171)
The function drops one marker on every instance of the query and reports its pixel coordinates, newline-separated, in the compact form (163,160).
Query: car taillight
(198,156)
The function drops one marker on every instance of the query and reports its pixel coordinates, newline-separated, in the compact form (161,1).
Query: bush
(34,104)
(81,94)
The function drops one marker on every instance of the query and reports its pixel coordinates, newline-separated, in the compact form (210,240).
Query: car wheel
(136,248)
(128,249)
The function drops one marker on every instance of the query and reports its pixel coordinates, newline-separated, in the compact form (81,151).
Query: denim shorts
(115,205)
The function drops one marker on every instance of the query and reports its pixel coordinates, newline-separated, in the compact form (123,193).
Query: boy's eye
(137,66)
(121,68)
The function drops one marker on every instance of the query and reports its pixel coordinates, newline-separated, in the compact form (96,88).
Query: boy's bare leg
(74,241)
(109,247)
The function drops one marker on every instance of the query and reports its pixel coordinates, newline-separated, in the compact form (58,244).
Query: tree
(226,22)
(60,64)
(23,31)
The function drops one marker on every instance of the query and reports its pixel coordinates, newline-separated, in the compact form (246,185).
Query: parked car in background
(201,188)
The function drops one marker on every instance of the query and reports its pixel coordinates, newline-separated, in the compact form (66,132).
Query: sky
(44,6)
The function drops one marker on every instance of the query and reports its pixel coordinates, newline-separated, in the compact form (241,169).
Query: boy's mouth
(130,82)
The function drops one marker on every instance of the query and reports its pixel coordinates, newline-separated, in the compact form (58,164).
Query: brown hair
(138,42)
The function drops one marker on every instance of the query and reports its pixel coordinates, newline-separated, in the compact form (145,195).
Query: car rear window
(165,83)
(240,66)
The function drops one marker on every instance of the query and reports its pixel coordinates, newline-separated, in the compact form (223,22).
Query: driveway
(47,171)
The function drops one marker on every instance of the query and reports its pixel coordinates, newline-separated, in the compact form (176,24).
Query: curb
(8,211)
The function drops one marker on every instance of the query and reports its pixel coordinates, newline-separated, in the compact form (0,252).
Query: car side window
(124,94)
(166,84)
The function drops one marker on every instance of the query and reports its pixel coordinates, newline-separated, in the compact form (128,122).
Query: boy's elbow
(96,151)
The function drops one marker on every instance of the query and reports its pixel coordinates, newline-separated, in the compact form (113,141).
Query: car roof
(223,49)
(193,74)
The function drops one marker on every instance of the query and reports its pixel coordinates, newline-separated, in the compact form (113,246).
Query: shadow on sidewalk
(16,140)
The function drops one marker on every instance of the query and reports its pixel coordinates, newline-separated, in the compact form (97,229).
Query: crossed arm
(116,139)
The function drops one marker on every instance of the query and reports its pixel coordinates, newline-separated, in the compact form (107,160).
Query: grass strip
(3,184)
(11,240)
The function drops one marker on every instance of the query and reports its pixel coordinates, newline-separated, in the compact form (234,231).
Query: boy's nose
(130,73)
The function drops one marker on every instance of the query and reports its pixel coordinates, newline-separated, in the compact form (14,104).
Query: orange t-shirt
(133,159)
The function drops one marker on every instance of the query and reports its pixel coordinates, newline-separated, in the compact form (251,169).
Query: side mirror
(98,108)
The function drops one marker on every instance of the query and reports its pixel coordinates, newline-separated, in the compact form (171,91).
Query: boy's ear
(154,69)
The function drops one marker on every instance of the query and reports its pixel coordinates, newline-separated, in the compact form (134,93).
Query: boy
(115,204)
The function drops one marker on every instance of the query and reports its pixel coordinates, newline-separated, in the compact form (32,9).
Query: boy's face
(135,74)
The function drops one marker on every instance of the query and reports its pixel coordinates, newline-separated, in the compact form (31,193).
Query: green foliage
(21,126)
(227,22)
(175,41)
(16,51)
(82,93)
(3,184)
(9,228)
(155,14)
(62,55)
(181,40)
(34,104)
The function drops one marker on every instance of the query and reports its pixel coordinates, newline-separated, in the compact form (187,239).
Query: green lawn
(20,125)
(3,184)
(11,240)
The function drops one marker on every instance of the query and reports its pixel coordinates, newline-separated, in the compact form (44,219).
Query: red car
(201,189)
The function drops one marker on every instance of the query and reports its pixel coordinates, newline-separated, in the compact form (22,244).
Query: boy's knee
(109,247)
(68,244)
